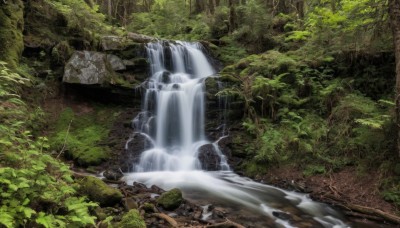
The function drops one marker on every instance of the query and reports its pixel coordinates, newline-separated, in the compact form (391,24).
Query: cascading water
(172,119)
(173,108)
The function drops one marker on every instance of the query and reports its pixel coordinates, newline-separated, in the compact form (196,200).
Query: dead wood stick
(65,140)
(226,224)
(167,218)
(361,209)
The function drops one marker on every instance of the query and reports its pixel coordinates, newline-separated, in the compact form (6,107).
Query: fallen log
(167,218)
(345,206)
(227,224)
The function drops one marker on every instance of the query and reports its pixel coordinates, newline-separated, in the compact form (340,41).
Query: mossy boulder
(99,191)
(82,136)
(171,200)
(11,26)
(132,219)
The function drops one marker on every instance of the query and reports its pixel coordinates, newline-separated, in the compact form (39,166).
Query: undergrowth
(36,189)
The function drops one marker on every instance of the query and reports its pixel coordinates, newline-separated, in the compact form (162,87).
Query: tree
(394,12)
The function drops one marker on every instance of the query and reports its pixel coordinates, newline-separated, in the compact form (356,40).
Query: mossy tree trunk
(11,27)
(394,12)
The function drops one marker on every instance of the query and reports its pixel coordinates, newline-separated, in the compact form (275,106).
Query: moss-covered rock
(100,192)
(81,135)
(171,200)
(132,219)
(11,26)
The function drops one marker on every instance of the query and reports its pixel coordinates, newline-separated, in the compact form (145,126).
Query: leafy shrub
(36,189)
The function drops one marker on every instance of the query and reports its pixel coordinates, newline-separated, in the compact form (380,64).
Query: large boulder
(209,158)
(99,191)
(90,68)
(134,148)
(170,200)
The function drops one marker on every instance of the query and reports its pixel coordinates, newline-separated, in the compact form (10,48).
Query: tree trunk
(109,9)
(212,6)
(394,12)
(232,16)
(300,8)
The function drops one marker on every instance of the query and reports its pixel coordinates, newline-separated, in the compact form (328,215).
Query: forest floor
(346,189)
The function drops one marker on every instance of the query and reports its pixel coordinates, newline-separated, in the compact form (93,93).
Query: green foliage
(79,14)
(255,26)
(80,135)
(132,219)
(35,188)
(314,169)
(170,20)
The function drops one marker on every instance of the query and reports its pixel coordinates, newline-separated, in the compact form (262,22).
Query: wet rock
(176,86)
(100,192)
(281,215)
(131,155)
(113,174)
(209,158)
(166,77)
(157,189)
(170,200)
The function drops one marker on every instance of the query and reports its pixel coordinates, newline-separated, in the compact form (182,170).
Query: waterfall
(173,107)
(172,120)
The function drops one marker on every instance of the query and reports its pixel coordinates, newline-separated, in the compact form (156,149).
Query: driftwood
(227,224)
(167,218)
(368,212)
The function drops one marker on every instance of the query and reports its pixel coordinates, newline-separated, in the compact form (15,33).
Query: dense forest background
(316,80)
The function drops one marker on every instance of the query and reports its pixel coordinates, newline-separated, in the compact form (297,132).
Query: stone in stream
(281,215)
(170,200)
(166,77)
(209,158)
(113,173)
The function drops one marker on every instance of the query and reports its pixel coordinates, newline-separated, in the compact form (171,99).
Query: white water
(172,118)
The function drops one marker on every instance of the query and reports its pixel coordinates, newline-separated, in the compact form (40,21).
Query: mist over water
(173,120)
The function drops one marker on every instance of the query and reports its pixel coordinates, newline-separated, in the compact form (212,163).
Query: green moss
(148,208)
(132,219)
(100,192)
(11,26)
(82,141)
(170,200)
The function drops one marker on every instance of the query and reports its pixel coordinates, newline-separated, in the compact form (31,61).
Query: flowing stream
(173,119)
